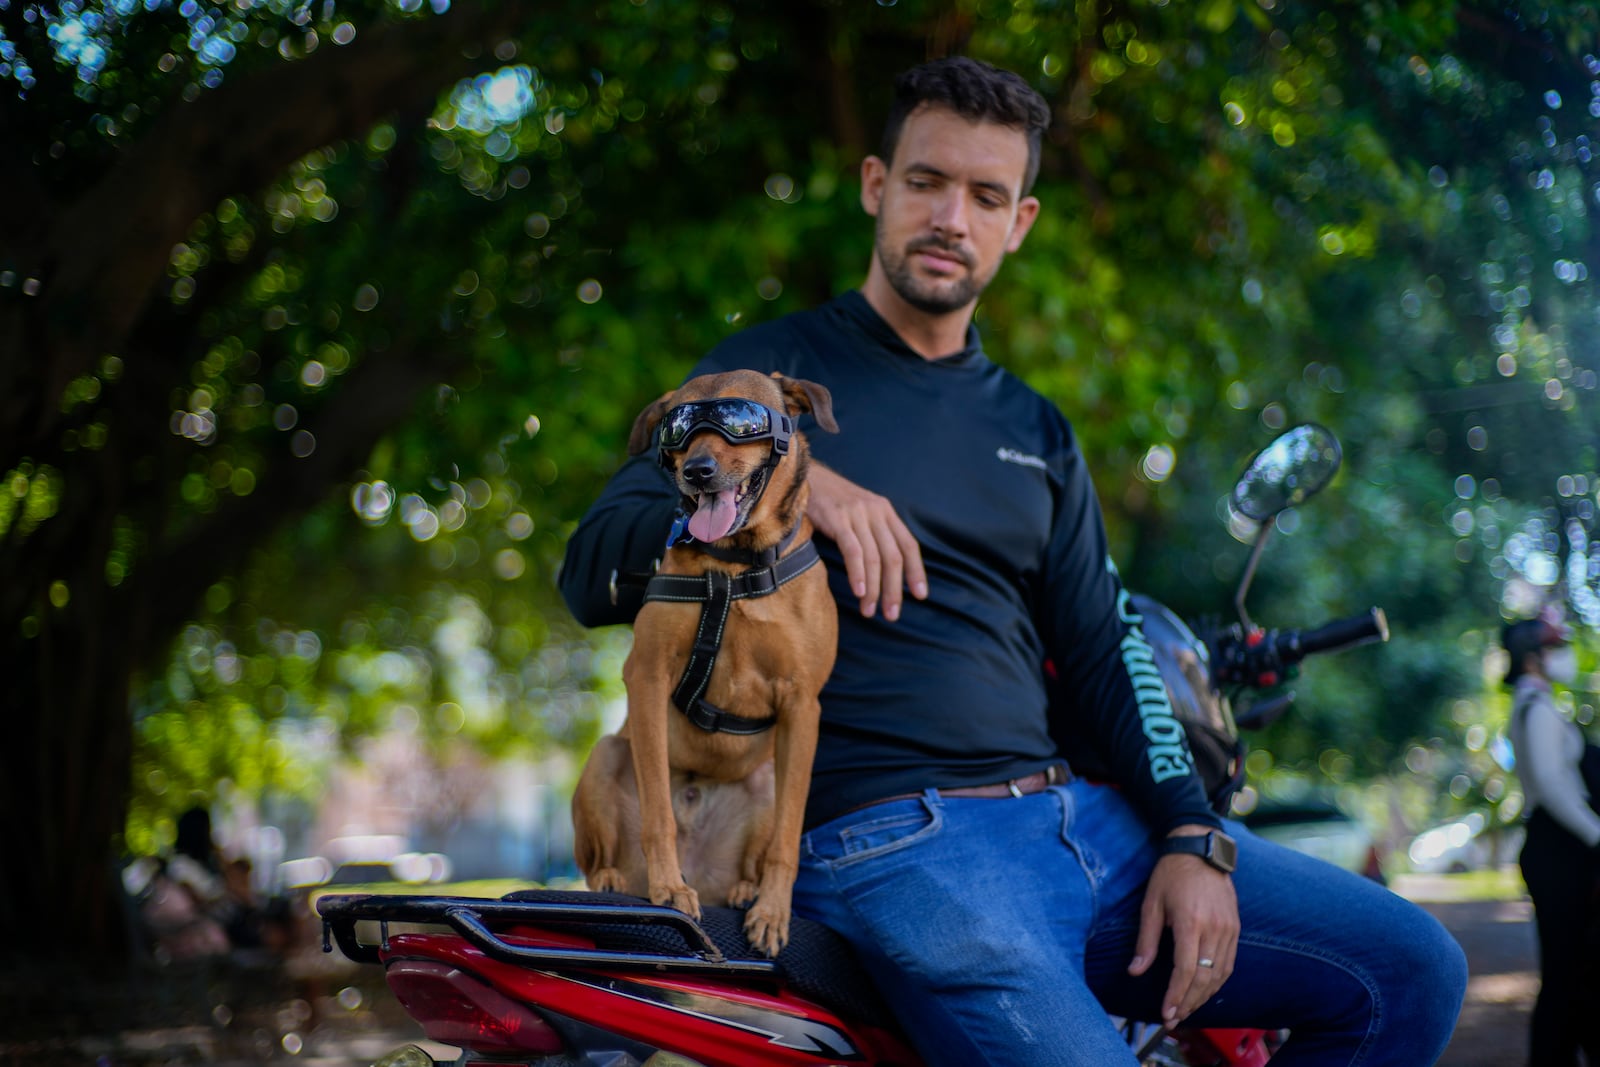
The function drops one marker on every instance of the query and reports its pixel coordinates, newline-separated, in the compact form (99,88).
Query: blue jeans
(1000,932)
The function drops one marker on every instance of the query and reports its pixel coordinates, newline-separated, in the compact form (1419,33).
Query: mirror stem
(1267,526)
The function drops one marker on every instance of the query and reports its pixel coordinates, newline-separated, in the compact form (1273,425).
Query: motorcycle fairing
(783,1029)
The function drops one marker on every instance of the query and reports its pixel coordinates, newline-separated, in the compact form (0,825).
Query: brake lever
(1264,713)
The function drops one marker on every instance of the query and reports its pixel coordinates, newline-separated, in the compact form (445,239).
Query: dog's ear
(644,427)
(801,395)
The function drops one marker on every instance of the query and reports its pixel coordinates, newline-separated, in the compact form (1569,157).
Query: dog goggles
(739,421)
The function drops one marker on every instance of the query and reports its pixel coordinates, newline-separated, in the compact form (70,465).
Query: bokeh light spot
(451,717)
(1158,463)
(372,501)
(779,186)
(509,564)
(424,524)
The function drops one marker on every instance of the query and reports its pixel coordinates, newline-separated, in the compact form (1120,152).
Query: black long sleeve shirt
(987,475)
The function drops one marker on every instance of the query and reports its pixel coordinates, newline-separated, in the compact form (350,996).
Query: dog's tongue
(713,516)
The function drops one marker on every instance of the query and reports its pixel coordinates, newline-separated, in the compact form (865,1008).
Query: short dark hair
(974,90)
(1523,637)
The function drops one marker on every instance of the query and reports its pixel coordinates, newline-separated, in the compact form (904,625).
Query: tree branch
(101,261)
(376,396)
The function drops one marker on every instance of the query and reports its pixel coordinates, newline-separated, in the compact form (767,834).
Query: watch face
(1224,851)
(1213,846)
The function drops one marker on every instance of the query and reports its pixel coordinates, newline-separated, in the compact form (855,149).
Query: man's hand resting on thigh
(1198,902)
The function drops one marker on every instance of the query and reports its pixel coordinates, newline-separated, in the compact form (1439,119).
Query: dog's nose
(699,471)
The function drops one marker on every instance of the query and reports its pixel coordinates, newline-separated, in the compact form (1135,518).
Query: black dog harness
(716,591)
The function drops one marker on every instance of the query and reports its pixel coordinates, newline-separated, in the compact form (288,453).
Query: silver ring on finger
(1206,961)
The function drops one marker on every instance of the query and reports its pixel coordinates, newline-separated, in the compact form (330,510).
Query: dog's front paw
(766,927)
(680,896)
(743,894)
(607,880)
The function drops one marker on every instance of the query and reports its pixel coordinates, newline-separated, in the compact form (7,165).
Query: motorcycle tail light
(457,1009)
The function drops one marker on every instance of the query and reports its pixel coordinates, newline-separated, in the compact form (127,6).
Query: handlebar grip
(1370,625)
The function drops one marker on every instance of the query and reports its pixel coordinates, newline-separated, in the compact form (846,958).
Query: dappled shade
(320,326)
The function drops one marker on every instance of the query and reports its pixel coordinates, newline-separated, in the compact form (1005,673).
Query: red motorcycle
(547,978)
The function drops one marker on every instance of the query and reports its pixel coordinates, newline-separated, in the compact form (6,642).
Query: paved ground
(330,1013)
(1502,958)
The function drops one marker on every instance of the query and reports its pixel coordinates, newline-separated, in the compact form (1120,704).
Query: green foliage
(341,444)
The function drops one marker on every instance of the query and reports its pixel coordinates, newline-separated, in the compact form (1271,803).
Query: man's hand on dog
(881,558)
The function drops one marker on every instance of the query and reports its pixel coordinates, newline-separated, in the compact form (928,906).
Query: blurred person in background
(194,903)
(196,863)
(176,894)
(1561,859)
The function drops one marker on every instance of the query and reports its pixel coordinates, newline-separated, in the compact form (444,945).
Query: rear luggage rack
(474,918)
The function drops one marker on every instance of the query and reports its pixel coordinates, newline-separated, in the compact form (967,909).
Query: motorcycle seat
(816,964)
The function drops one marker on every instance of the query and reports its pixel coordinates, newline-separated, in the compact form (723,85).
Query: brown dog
(717,810)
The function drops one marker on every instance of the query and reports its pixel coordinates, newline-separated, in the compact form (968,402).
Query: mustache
(942,244)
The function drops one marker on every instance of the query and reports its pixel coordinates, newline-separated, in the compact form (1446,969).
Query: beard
(936,297)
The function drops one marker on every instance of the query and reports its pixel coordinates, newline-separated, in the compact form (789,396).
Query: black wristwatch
(1213,846)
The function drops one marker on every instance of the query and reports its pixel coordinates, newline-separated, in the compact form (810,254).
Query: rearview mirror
(1297,464)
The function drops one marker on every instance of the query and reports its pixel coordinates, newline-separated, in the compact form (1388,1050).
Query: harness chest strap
(715,591)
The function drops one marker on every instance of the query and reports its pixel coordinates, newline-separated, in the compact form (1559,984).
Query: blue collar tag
(679,532)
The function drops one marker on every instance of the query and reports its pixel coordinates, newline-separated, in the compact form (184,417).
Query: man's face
(949,208)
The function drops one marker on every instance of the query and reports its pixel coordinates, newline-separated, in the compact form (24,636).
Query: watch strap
(1213,846)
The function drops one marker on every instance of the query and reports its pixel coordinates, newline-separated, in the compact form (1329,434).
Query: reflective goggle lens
(735,419)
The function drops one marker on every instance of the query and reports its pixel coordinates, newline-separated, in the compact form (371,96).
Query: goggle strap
(782,430)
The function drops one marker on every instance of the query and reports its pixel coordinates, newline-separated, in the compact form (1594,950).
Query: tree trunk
(64,802)
(73,639)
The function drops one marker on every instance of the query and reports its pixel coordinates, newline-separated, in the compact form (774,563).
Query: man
(1002,909)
